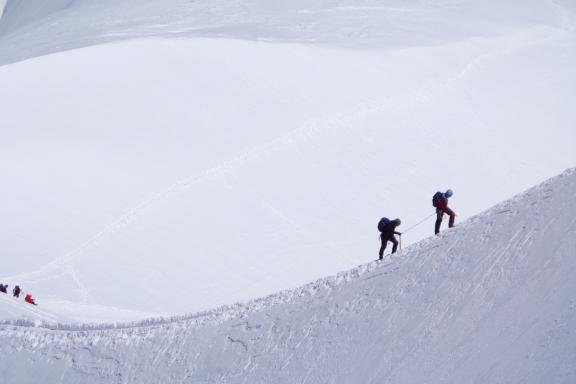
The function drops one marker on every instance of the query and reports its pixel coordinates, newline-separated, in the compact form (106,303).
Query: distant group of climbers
(388,227)
(16,293)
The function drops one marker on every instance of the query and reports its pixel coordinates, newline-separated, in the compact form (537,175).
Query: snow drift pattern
(20,13)
(488,302)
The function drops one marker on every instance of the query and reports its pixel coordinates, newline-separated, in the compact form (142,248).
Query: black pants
(385,239)
(439,217)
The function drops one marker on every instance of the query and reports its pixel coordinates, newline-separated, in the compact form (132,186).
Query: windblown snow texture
(488,302)
(17,14)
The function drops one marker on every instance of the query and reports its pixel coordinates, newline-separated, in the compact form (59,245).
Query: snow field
(163,159)
(218,153)
(489,301)
(281,195)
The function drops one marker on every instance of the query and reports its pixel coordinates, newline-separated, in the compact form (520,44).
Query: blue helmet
(448,193)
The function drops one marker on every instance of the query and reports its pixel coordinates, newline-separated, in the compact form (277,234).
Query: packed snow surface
(491,301)
(161,157)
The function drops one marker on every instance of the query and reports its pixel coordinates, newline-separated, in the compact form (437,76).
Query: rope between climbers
(418,223)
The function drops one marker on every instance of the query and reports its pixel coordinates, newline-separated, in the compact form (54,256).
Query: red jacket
(443,206)
(29,299)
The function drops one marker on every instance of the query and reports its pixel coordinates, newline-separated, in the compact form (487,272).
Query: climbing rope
(418,223)
(411,228)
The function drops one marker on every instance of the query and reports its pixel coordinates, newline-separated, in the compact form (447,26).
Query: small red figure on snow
(29,299)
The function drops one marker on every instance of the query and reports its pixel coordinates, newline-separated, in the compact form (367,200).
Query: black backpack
(383,223)
(437,196)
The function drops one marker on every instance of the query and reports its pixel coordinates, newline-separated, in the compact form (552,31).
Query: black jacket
(389,230)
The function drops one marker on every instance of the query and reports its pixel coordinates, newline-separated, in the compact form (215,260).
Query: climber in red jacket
(440,201)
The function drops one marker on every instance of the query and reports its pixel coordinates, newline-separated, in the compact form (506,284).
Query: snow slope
(488,302)
(163,157)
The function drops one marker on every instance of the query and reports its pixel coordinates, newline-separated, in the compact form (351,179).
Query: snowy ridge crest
(490,301)
(242,309)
